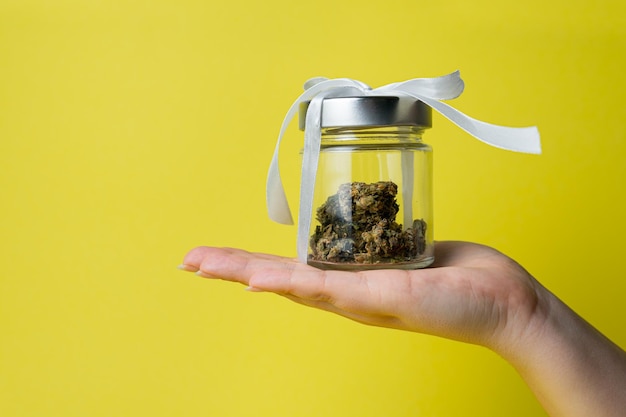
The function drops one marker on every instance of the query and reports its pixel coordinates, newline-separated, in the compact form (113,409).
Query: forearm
(572,369)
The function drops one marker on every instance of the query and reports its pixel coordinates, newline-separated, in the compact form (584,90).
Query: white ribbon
(427,90)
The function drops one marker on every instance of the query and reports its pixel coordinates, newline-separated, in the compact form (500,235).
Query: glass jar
(372,204)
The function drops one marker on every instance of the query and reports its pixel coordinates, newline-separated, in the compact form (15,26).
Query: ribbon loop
(446,87)
(428,90)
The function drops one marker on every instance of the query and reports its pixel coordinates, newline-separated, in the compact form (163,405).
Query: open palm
(469,294)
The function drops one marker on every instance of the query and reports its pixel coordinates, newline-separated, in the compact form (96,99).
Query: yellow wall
(131,131)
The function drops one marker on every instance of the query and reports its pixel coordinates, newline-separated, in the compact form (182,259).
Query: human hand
(472,293)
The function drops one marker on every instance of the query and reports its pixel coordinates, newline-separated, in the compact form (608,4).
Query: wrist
(528,320)
(570,366)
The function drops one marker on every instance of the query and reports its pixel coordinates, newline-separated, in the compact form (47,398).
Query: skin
(472,294)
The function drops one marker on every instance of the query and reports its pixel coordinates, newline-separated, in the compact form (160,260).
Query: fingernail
(187,268)
(204,275)
(254,289)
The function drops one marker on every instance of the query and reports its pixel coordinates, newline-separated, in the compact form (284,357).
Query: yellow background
(132,131)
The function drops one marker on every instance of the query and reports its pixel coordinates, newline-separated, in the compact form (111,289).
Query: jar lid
(371,111)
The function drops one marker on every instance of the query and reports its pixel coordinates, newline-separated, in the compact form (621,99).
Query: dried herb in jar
(358,225)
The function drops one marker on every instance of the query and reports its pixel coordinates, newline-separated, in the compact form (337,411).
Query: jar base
(353,266)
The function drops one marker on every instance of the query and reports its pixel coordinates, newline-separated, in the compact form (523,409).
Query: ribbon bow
(430,91)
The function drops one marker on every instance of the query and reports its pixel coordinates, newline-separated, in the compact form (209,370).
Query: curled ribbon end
(286,221)
(278,210)
(537,140)
(527,140)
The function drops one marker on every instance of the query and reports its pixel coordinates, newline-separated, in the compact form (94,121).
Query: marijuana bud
(358,225)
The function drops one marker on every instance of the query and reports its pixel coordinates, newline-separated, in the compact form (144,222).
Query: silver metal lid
(371,111)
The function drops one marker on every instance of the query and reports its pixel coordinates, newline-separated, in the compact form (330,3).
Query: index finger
(231,264)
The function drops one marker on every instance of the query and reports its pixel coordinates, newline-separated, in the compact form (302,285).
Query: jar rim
(371,111)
